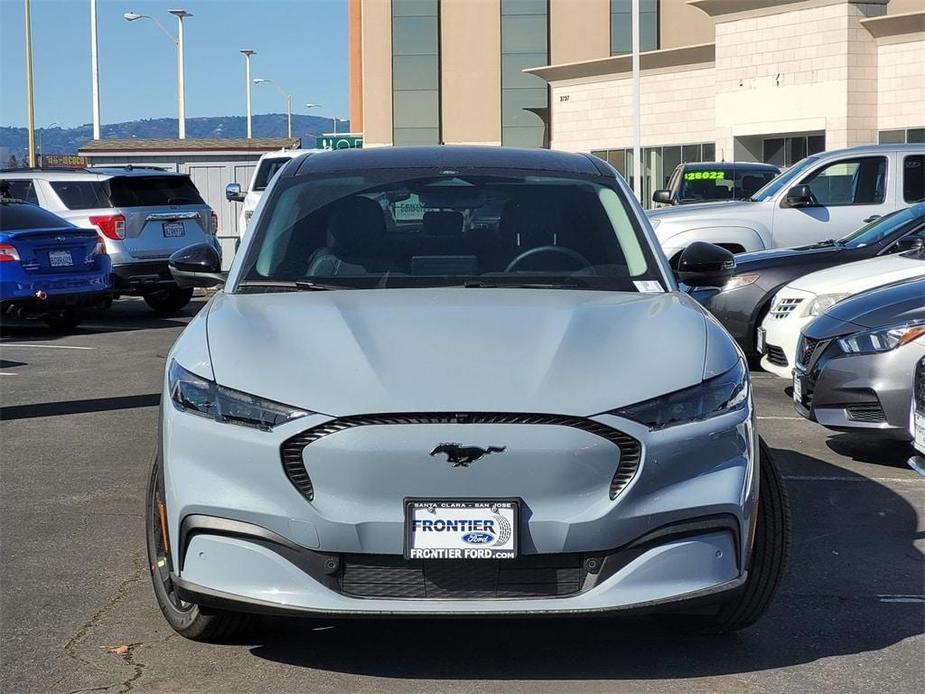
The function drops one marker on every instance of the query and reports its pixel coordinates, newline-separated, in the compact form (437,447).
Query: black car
(714,181)
(745,298)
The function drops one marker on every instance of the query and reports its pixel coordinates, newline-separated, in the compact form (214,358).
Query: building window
(787,151)
(621,26)
(415,72)
(660,163)
(524,98)
(898,137)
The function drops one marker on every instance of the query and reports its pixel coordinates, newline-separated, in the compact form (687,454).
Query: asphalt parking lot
(77,431)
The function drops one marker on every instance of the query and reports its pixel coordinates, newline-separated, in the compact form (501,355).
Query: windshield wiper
(291,286)
(565,284)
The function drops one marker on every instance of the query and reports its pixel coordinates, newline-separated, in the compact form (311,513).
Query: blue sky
(300,44)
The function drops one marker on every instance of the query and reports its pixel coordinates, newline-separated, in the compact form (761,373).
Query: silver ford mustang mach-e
(457,381)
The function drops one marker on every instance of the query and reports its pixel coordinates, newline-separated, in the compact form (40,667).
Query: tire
(185,618)
(66,319)
(169,300)
(768,559)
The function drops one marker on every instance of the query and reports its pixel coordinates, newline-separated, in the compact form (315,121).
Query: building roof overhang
(650,60)
(889,25)
(139,146)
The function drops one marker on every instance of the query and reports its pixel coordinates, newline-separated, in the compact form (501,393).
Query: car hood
(457,350)
(885,306)
(700,209)
(861,275)
(781,256)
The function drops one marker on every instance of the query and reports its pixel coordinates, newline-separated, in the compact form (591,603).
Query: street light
(178,42)
(334,119)
(42,142)
(248,52)
(30,91)
(286,95)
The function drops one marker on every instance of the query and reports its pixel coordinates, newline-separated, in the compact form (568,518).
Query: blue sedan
(49,267)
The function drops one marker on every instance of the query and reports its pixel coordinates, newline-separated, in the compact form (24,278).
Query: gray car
(457,381)
(855,362)
(144,215)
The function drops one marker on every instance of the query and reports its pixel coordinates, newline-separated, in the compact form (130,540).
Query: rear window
(21,188)
(266,171)
(914,178)
(144,191)
(81,195)
(721,183)
(17,216)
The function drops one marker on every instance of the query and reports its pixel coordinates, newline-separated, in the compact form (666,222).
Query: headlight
(882,339)
(740,281)
(824,301)
(715,396)
(195,395)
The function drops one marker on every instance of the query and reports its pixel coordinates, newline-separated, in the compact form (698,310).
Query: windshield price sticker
(704,175)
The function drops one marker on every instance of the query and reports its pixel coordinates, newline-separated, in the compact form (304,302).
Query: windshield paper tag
(648,286)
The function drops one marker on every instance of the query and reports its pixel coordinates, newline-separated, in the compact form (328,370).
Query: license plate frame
(797,388)
(480,508)
(761,340)
(60,258)
(918,431)
(173,230)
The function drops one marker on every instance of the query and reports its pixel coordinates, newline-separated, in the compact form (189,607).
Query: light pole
(42,141)
(178,42)
(286,95)
(94,71)
(638,167)
(30,96)
(248,52)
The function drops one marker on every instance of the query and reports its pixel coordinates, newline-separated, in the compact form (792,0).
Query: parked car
(745,299)
(917,431)
(49,267)
(796,304)
(266,168)
(824,196)
(856,361)
(509,409)
(714,181)
(144,215)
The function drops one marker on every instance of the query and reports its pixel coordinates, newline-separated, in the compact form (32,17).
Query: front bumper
(868,393)
(781,337)
(694,473)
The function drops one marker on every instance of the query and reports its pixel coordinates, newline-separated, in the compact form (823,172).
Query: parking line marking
(26,344)
(837,478)
(6,373)
(902,598)
(781,417)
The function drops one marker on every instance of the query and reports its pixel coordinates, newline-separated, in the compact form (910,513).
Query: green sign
(346,141)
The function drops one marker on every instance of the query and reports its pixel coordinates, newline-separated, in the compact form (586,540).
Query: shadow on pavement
(869,449)
(852,542)
(54,409)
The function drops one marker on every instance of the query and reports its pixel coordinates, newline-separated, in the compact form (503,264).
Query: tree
(12,163)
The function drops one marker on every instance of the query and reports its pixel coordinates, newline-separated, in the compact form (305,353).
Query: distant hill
(69,140)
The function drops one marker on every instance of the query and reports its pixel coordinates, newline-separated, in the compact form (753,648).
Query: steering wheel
(569,253)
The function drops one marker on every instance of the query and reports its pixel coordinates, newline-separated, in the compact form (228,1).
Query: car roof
(288,153)
(742,165)
(873,149)
(447,157)
(95,173)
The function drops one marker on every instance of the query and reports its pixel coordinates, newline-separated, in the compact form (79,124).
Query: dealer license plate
(462,529)
(173,229)
(797,388)
(60,258)
(919,433)
(759,341)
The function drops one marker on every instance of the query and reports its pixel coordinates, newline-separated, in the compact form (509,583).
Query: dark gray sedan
(855,363)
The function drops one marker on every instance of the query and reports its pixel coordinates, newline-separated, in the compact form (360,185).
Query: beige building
(757,80)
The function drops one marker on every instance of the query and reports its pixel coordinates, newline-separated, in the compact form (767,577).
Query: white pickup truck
(266,168)
(824,196)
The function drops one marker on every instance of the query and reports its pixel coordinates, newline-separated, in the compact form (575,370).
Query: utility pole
(30,96)
(95,71)
(248,52)
(638,167)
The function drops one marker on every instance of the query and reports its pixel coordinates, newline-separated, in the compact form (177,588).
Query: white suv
(824,196)
(145,214)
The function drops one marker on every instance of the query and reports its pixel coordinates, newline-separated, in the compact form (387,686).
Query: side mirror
(198,265)
(234,193)
(662,196)
(908,243)
(704,264)
(799,196)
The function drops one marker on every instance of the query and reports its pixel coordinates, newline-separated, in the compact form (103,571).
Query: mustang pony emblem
(464,456)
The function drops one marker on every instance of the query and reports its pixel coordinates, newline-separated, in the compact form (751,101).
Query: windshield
(391,228)
(880,228)
(266,171)
(721,183)
(784,180)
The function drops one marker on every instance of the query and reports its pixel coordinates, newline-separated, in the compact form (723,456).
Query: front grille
(531,576)
(784,307)
(292,449)
(805,350)
(920,385)
(776,355)
(868,412)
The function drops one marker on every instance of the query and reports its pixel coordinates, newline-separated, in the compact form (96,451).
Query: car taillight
(100,246)
(8,253)
(112,225)
(213,221)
